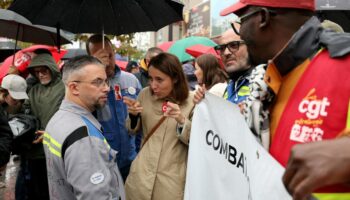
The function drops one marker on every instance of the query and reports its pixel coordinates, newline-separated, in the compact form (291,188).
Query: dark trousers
(38,187)
(22,181)
(124,171)
(31,183)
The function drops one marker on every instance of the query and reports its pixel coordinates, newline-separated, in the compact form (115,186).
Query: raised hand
(173,111)
(199,94)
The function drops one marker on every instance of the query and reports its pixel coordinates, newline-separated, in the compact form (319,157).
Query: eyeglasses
(97,82)
(232,47)
(243,18)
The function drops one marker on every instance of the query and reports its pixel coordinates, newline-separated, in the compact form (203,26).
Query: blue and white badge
(131,90)
(97,178)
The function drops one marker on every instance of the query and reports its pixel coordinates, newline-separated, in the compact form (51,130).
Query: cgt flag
(225,161)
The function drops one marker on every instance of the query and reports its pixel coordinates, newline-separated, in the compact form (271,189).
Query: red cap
(300,4)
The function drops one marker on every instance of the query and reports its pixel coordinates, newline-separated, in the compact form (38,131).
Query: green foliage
(125,49)
(4,4)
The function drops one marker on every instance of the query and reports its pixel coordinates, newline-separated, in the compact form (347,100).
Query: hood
(143,64)
(310,38)
(45,60)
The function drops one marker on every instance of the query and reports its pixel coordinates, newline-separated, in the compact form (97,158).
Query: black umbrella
(96,16)
(73,53)
(6,49)
(15,26)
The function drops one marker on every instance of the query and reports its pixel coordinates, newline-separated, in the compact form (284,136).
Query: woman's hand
(134,107)
(199,94)
(173,111)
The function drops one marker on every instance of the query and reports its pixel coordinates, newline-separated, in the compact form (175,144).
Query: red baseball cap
(301,4)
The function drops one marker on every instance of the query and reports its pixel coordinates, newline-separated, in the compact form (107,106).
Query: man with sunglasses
(308,70)
(246,86)
(80,163)
(234,55)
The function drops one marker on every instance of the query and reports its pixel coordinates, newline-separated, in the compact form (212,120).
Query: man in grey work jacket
(80,163)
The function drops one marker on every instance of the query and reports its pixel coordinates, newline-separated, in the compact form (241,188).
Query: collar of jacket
(240,75)
(79,110)
(116,78)
(305,43)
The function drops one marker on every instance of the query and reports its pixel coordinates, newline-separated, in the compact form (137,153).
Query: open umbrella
(7,48)
(17,27)
(165,45)
(74,52)
(122,64)
(95,16)
(23,57)
(199,49)
(179,47)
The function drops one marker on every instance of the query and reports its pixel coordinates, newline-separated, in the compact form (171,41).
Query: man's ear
(73,87)
(265,18)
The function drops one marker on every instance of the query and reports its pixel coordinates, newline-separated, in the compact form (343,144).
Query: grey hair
(153,51)
(76,64)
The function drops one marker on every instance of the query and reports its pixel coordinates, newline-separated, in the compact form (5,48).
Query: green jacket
(45,100)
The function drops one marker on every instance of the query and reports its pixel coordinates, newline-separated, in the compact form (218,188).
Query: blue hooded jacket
(112,117)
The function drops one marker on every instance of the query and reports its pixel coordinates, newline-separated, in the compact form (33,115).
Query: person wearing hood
(45,97)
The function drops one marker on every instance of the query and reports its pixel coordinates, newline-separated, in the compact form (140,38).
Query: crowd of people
(98,132)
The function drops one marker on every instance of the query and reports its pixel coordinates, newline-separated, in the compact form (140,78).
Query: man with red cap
(308,70)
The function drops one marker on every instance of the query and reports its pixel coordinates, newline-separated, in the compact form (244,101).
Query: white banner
(225,161)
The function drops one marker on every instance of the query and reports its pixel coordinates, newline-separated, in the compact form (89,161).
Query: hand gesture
(134,107)
(199,94)
(39,136)
(315,165)
(173,111)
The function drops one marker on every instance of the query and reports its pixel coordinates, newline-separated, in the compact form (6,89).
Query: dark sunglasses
(232,47)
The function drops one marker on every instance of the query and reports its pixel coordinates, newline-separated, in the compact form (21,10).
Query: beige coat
(159,170)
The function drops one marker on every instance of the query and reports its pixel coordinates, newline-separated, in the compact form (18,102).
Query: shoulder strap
(155,127)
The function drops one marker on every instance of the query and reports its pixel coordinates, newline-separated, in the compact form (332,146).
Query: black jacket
(5,138)
(142,76)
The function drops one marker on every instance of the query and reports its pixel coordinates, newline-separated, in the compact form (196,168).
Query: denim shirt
(112,117)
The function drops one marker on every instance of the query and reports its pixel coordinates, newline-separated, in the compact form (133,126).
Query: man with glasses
(112,117)
(80,163)
(308,71)
(246,86)
(45,97)
(234,55)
